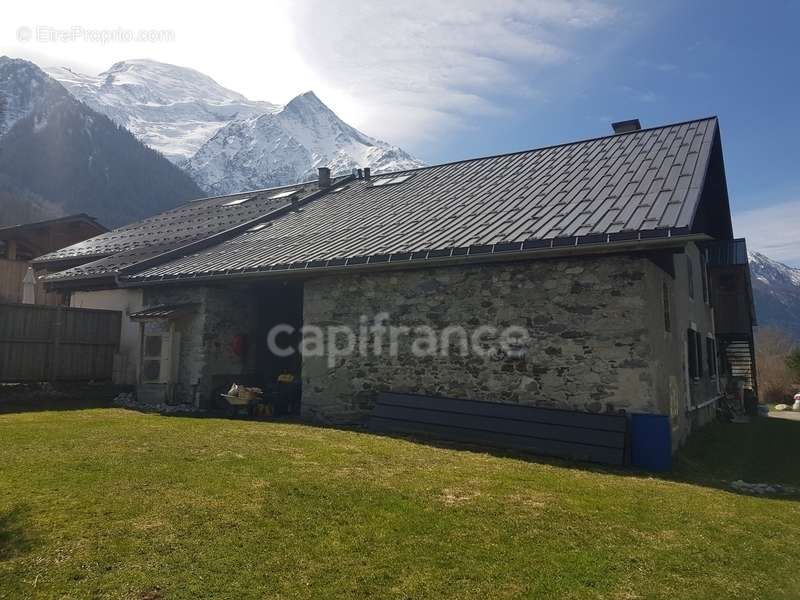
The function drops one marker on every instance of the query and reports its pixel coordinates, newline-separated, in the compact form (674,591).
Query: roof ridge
(551,146)
(245,192)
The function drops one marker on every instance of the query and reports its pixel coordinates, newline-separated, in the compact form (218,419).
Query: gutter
(552,251)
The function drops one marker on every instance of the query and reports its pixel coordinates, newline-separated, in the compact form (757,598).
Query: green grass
(109,503)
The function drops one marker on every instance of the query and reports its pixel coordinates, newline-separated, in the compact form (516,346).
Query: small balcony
(731,295)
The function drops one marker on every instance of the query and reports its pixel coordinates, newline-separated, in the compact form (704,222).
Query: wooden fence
(57,343)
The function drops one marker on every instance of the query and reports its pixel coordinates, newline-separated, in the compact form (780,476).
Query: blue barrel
(651,442)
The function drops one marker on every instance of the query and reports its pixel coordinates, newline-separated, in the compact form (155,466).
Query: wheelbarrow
(236,403)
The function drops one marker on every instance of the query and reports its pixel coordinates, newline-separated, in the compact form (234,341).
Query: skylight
(259,227)
(237,201)
(392,180)
(285,194)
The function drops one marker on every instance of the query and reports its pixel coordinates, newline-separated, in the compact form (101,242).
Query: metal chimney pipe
(324,177)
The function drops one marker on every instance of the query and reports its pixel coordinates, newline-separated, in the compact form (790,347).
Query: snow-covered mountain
(226,142)
(22,86)
(288,146)
(776,289)
(58,156)
(172,109)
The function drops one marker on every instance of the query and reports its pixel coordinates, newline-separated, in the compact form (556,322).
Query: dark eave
(627,244)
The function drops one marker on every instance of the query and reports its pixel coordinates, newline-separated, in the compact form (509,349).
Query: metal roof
(23,227)
(108,266)
(164,311)
(197,220)
(637,185)
(727,252)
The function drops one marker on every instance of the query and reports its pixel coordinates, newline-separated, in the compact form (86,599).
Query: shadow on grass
(761,451)
(16,537)
(39,397)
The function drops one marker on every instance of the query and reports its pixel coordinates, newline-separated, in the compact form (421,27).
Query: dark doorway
(280,318)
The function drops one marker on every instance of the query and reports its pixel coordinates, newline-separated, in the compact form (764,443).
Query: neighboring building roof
(103,255)
(636,185)
(108,266)
(9,231)
(164,312)
(40,237)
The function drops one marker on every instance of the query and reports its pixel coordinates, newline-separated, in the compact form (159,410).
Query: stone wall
(191,348)
(589,345)
(597,339)
(206,336)
(230,311)
(687,402)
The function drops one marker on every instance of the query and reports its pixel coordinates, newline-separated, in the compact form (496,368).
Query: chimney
(360,174)
(366,172)
(626,126)
(324,178)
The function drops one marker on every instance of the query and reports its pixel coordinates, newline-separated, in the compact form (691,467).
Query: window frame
(711,357)
(704,277)
(695,354)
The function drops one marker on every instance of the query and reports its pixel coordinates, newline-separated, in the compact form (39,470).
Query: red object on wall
(239,344)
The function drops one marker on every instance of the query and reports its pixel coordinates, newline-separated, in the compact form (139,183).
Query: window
(711,357)
(152,345)
(151,360)
(391,180)
(157,353)
(695,354)
(690,275)
(704,275)
(236,202)
(259,227)
(665,299)
(285,194)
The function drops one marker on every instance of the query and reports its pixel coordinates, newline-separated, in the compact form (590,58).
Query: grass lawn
(109,503)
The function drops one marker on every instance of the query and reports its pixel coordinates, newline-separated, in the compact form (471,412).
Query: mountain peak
(23,86)
(758,258)
(289,146)
(307,101)
(172,109)
(776,289)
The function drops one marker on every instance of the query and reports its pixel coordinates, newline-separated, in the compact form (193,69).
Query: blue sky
(450,79)
(681,61)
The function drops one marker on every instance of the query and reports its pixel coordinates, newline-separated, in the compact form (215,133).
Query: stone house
(605,257)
